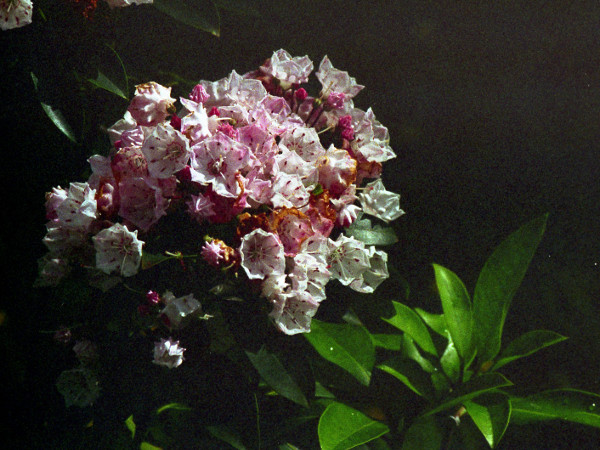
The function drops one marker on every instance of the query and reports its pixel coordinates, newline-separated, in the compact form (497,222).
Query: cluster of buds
(289,170)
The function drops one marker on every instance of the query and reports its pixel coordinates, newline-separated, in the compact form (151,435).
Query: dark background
(493,110)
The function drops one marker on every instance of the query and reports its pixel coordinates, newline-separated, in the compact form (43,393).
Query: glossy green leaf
(149,446)
(457,311)
(272,371)
(491,414)
(473,388)
(407,320)
(436,322)
(387,341)
(409,373)
(371,235)
(173,407)
(497,283)
(200,14)
(228,435)
(103,82)
(450,362)
(342,427)
(130,424)
(410,350)
(347,346)
(423,434)
(54,114)
(527,344)
(571,405)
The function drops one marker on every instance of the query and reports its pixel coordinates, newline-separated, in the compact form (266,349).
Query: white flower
(122,3)
(335,80)
(15,13)
(179,308)
(292,312)
(287,69)
(150,103)
(166,150)
(78,210)
(262,254)
(118,249)
(348,259)
(374,275)
(168,353)
(378,202)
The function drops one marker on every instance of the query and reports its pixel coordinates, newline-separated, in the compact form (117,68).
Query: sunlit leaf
(342,427)
(130,424)
(200,14)
(436,322)
(226,434)
(424,433)
(272,371)
(371,235)
(103,82)
(527,344)
(473,388)
(457,311)
(409,373)
(410,350)
(387,341)
(55,115)
(348,346)
(571,405)
(173,407)
(407,320)
(450,362)
(491,414)
(498,281)
(149,446)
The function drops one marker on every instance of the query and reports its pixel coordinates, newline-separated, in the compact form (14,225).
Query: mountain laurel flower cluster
(283,172)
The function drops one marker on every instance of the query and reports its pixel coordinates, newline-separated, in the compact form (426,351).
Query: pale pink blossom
(262,254)
(284,67)
(212,252)
(371,139)
(376,274)
(178,309)
(337,170)
(288,191)
(168,353)
(129,162)
(15,13)
(79,209)
(292,312)
(118,250)
(151,103)
(116,130)
(335,80)
(308,273)
(166,150)
(347,259)
(53,199)
(143,201)
(379,202)
(303,141)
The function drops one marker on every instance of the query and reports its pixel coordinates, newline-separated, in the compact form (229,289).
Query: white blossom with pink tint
(15,13)
(123,3)
(118,250)
(79,209)
(337,170)
(151,103)
(212,252)
(335,80)
(262,254)
(284,67)
(288,191)
(379,202)
(304,141)
(143,201)
(347,259)
(168,353)
(292,312)
(376,274)
(309,274)
(178,309)
(371,139)
(166,150)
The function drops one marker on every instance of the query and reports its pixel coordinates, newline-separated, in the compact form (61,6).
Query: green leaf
(409,373)
(436,322)
(103,82)
(407,320)
(54,114)
(498,281)
(571,405)
(424,433)
(450,362)
(347,346)
(473,388)
(130,424)
(491,414)
(226,434)
(457,311)
(342,427)
(149,446)
(173,407)
(272,371)
(410,350)
(527,344)
(150,259)
(200,14)
(387,341)
(371,235)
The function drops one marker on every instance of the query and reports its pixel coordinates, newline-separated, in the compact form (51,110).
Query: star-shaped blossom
(168,353)
(262,254)
(178,309)
(288,69)
(348,259)
(79,209)
(118,250)
(151,103)
(376,274)
(166,150)
(15,13)
(379,202)
(335,80)
(292,312)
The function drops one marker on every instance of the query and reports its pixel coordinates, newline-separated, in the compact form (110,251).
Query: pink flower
(287,69)
(15,13)
(151,103)
(337,170)
(168,353)
(143,201)
(118,250)
(199,94)
(212,252)
(262,254)
(166,150)
(335,80)
(379,202)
